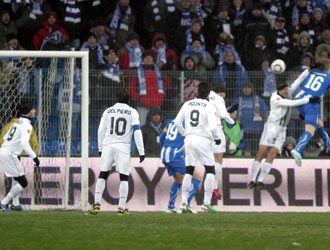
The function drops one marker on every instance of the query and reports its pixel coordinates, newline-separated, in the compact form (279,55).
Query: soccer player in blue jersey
(172,156)
(315,85)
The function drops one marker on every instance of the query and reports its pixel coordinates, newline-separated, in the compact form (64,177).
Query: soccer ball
(278,66)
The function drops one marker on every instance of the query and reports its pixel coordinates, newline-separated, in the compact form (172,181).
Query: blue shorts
(311,113)
(176,167)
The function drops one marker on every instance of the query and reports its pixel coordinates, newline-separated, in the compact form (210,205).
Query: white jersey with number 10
(116,127)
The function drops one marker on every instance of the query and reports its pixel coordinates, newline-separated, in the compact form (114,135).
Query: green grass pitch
(76,230)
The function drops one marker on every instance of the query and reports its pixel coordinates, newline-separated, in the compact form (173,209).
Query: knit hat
(4,12)
(196,20)
(232,108)
(290,140)
(11,36)
(25,108)
(132,36)
(260,37)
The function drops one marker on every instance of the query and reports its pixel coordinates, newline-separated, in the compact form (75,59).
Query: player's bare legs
(256,165)
(218,157)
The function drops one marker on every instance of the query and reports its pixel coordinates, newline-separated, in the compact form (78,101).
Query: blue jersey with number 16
(315,84)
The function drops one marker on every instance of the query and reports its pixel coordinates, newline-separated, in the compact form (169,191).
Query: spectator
(202,58)
(237,13)
(280,39)
(256,54)
(301,7)
(252,111)
(234,134)
(179,22)
(307,61)
(232,74)
(270,10)
(322,51)
(318,21)
(289,144)
(325,36)
(304,25)
(254,25)
(102,34)
(8,26)
(195,33)
(72,22)
(269,79)
(151,132)
(121,24)
(131,54)
(95,51)
(192,79)
(156,15)
(225,43)
(51,36)
(165,58)
(149,87)
(295,53)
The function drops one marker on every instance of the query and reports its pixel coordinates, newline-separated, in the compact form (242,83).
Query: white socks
(123,192)
(14,191)
(217,168)
(255,170)
(15,201)
(186,188)
(99,189)
(266,167)
(208,188)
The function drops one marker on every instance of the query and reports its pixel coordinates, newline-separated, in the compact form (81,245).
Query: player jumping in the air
(315,85)
(274,133)
(117,125)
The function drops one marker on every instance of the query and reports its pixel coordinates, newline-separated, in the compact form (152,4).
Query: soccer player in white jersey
(117,125)
(196,121)
(216,98)
(274,133)
(15,141)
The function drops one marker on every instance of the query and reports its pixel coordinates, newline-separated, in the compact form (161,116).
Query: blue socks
(303,141)
(175,188)
(324,136)
(194,191)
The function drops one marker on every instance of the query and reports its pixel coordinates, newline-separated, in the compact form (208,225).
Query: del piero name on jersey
(119,111)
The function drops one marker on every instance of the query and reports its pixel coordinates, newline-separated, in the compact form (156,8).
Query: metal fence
(178,86)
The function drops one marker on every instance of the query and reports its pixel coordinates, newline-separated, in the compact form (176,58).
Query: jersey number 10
(118,126)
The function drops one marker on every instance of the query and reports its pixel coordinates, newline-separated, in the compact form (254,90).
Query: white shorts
(221,148)
(10,163)
(112,155)
(273,136)
(198,149)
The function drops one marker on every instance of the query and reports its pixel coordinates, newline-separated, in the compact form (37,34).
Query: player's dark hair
(24,109)
(281,86)
(321,64)
(203,90)
(123,96)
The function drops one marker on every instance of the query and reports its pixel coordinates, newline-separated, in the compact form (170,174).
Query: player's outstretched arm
(291,103)
(224,114)
(299,80)
(25,137)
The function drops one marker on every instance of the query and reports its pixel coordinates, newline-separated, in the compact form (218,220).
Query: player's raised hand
(36,161)
(142,158)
